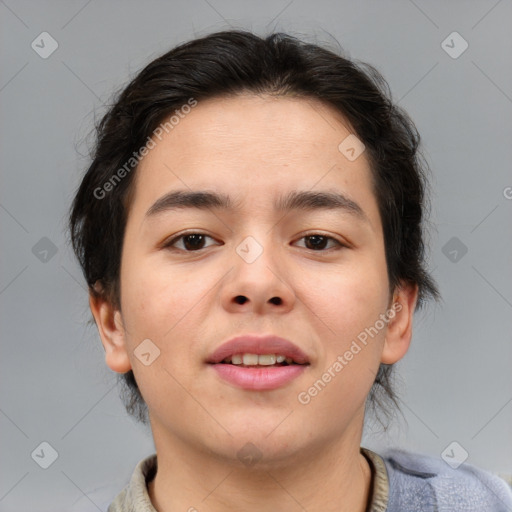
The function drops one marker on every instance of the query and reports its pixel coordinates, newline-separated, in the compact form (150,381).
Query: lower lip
(258,378)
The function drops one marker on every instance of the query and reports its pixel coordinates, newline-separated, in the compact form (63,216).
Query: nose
(258,283)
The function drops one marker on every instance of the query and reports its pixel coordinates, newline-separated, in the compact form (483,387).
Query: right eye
(190,242)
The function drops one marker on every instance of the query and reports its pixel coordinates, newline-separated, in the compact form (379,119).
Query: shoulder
(424,482)
(122,495)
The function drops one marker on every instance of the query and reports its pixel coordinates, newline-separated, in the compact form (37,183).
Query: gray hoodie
(402,482)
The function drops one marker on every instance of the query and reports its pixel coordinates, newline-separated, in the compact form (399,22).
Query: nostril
(240,299)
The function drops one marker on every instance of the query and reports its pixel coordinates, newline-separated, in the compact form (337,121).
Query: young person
(250,230)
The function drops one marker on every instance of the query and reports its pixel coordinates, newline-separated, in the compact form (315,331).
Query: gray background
(457,379)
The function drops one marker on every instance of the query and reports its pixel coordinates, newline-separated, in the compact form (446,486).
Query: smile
(259,360)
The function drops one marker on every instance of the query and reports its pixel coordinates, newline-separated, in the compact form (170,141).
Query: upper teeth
(258,359)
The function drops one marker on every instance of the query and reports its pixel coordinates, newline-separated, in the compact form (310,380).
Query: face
(193,278)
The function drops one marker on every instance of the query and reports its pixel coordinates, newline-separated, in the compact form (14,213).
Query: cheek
(160,304)
(349,301)
(349,297)
(158,294)
(350,351)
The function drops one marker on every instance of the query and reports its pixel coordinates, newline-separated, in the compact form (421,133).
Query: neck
(331,477)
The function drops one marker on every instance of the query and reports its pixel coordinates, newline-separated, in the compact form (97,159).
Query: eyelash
(170,243)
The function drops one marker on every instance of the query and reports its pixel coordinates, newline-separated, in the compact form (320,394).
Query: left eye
(318,242)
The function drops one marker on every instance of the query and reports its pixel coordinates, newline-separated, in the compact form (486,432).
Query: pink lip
(258,378)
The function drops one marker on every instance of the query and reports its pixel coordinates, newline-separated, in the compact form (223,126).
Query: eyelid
(168,243)
(339,243)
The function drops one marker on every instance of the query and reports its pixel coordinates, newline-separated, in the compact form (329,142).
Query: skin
(255,148)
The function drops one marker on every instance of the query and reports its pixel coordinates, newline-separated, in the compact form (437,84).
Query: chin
(259,447)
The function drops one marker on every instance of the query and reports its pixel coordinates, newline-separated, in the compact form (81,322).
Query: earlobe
(112,334)
(399,330)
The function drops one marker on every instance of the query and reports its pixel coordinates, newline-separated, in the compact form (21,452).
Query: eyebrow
(294,200)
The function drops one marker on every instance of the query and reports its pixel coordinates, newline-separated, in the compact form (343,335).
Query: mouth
(258,363)
(259,360)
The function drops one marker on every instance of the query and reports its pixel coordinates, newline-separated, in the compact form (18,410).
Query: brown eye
(189,242)
(319,242)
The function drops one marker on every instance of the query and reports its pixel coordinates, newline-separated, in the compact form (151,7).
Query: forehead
(255,148)
(260,126)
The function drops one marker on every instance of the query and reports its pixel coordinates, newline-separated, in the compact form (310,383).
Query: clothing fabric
(402,481)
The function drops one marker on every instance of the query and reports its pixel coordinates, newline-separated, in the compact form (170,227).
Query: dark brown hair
(229,63)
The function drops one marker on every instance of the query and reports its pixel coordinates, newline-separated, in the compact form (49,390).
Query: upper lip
(254,344)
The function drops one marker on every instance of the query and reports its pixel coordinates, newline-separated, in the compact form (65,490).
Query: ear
(112,333)
(399,331)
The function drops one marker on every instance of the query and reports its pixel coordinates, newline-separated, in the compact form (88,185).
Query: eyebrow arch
(321,200)
(294,200)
